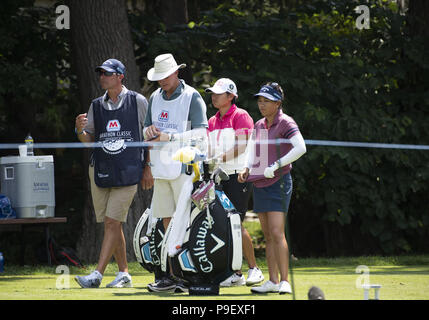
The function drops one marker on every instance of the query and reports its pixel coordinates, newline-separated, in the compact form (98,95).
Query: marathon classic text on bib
(169,116)
(116,164)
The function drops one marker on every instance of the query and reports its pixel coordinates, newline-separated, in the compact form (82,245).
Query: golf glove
(269,171)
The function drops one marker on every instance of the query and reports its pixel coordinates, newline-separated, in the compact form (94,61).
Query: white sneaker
(268,286)
(254,276)
(233,281)
(92,280)
(122,280)
(284,287)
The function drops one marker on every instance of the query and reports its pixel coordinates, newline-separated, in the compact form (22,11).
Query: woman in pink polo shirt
(268,166)
(229,131)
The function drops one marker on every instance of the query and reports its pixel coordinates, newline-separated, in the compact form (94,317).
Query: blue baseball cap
(269,93)
(112,65)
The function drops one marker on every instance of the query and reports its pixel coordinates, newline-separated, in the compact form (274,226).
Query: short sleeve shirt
(197,109)
(223,132)
(236,118)
(108,104)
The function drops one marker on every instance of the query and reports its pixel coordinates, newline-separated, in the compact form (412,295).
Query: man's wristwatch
(171,137)
(79,133)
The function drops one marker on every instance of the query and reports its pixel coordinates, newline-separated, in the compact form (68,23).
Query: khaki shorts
(165,196)
(111,202)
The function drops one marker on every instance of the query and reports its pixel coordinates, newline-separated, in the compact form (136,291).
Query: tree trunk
(175,12)
(99,31)
(418,12)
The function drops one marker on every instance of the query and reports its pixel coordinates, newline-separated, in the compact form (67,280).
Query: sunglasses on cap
(105,73)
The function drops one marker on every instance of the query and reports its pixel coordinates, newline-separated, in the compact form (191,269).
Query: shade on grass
(402,278)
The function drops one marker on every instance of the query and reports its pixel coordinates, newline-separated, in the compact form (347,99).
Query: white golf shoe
(122,280)
(267,287)
(92,280)
(233,281)
(284,287)
(254,276)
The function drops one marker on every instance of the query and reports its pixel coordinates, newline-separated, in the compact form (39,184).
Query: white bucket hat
(224,85)
(164,66)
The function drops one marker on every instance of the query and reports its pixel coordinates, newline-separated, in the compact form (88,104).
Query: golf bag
(212,249)
(62,255)
(147,241)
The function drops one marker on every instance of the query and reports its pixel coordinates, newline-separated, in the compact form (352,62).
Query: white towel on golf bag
(151,222)
(180,219)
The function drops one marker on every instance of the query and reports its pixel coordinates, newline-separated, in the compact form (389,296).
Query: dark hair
(234,100)
(279,89)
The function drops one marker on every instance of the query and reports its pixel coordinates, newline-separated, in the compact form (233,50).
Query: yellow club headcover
(197,172)
(187,155)
(184,155)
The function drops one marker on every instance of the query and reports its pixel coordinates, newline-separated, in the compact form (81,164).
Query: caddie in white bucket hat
(176,114)
(165,65)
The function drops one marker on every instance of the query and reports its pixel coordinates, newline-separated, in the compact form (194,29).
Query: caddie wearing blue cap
(114,119)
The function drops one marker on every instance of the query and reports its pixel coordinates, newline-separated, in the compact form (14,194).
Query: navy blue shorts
(275,197)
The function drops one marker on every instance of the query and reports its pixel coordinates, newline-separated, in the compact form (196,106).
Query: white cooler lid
(28,159)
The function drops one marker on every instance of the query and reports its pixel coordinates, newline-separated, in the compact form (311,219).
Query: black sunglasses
(275,86)
(105,73)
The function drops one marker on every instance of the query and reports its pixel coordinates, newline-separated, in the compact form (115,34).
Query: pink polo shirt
(236,118)
(283,127)
(223,134)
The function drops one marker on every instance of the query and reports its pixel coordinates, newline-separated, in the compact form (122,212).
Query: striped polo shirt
(283,127)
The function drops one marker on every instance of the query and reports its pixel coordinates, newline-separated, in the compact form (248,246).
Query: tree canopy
(341,83)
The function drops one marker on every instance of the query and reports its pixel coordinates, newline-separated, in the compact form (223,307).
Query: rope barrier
(326,143)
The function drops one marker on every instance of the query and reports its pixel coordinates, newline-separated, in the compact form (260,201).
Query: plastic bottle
(1,263)
(29,142)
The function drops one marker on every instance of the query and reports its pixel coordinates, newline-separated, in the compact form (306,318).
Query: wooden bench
(22,225)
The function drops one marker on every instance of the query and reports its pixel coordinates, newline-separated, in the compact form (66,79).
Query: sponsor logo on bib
(113,125)
(163,116)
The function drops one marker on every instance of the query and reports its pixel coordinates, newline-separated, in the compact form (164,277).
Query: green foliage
(341,83)
(34,73)
(253,227)
(38,95)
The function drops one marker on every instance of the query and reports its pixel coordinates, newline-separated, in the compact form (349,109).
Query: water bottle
(29,142)
(1,263)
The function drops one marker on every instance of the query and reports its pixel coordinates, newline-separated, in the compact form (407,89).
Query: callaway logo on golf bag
(156,242)
(212,250)
(147,241)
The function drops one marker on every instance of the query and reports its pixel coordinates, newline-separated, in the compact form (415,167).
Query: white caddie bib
(169,116)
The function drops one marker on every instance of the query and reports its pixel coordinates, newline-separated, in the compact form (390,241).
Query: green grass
(402,278)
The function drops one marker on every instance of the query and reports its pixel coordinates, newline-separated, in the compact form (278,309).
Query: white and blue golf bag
(211,249)
(147,241)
